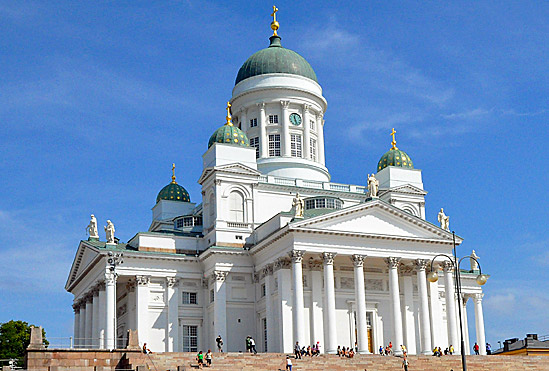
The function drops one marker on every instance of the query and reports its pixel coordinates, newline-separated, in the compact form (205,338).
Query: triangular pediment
(85,255)
(235,168)
(405,189)
(375,218)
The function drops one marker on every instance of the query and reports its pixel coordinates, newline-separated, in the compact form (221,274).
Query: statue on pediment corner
(373,185)
(91,229)
(444,220)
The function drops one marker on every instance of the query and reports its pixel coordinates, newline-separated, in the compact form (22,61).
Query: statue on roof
(109,230)
(373,185)
(444,220)
(91,229)
(474,263)
(299,206)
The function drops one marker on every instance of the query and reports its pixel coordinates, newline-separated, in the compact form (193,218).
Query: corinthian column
(360,298)
(479,322)
(263,150)
(297,282)
(110,281)
(450,304)
(330,334)
(286,148)
(76,309)
(269,313)
(220,307)
(393,263)
(424,321)
(306,132)
(172,325)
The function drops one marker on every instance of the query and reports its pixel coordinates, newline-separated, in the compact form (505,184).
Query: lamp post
(114,259)
(481,280)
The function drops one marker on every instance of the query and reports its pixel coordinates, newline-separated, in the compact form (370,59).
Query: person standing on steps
(209,357)
(252,345)
(476,348)
(288,363)
(405,363)
(200,359)
(297,350)
(219,342)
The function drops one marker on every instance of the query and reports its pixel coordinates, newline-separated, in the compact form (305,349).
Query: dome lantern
(395,157)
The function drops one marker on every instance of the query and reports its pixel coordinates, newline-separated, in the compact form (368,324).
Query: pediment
(405,189)
(375,218)
(85,255)
(235,168)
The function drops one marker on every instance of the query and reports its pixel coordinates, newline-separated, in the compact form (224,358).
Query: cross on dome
(274,24)
(394,141)
(173,174)
(229,117)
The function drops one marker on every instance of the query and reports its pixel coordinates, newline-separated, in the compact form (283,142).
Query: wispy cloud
(469,114)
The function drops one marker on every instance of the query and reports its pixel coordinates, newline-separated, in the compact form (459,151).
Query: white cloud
(469,114)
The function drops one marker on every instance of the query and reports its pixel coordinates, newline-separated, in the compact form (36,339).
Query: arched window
(236,207)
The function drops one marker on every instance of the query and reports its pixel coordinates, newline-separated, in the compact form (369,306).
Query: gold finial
(394,143)
(229,117)
(274,24)
(173,174)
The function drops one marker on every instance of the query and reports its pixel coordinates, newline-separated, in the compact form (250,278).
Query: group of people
(437,351)
(345,352)
(388,350)
(476,348)
(250,345)
(311,350)
(208,357)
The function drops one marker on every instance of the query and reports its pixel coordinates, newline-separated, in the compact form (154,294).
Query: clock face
(295,119)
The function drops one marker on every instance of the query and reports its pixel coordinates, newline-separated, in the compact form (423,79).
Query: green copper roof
(229,134)
(395,157)
(275,59)
(173,192)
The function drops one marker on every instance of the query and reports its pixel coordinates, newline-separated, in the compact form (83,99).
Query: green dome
(229,134)
(275,59)
(395,157)
(173,192)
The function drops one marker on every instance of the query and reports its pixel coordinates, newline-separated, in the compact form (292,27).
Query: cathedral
(276,250)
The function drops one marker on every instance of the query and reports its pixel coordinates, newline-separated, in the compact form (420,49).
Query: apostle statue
(109,230)
(474,263)
(444,220)
(373,185)
(91,229)
(299,206)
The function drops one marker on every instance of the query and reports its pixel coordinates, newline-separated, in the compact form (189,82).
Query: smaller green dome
(229,134)
(173,192)
(395,157)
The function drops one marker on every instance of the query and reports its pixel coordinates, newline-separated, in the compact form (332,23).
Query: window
(263,290)
(179,223)
(273,119)
(323,203)
(197,220)
(309,204)
(295,145)
(312,125)
(264,323)
(189,298)
(212,209)
(254,142)
(212,296)
(313,149)
(236,207)
(274,145)
(190,338)
(253,123)
(188,221)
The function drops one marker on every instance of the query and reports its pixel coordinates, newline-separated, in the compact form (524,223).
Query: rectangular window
(212,296)
(330,203)
(179,223)
(309,204)
(320,203)
(295,145)
(254,142)
(263,290)
(274,145)
(264,323)
(253,123)
(313,149)
(189,298)
(190,338)
(197,220)
(188,222)
(273,119)
(312,125)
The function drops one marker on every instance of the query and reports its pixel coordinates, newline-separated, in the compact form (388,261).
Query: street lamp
(114,259)
(481,280)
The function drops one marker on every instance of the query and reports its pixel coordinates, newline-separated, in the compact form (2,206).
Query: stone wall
(76,359)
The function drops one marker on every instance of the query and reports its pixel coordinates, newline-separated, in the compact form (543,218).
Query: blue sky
(97,99)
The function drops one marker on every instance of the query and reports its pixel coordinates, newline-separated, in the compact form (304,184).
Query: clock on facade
(295,119)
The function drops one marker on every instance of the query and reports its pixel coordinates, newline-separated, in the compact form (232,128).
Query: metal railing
(84,343)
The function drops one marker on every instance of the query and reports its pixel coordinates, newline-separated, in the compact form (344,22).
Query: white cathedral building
(275,249)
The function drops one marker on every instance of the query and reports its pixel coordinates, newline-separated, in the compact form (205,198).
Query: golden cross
(394,141)
(275,9)
(173,174)
(274,24)
(229,115)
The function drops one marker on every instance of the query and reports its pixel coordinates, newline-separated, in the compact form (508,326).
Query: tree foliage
(15,338)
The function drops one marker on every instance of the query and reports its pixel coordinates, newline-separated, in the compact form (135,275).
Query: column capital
(142,280)
(284,104)
(110,278)
(320,115)
(282,263)
(328,258)
(172,281)
(243,110)
(76,307)
(447,266)
(94,291)
(267,270)
(421,264)
(219,276)
(100,285)
(392,262)
(477,298)
(130,286)
(261,105)
(297,256)
(464,298)
(306,107)
(358,260)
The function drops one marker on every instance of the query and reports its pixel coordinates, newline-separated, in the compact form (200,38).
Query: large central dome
(275,59)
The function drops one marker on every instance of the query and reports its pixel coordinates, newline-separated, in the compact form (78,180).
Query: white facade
(352,270)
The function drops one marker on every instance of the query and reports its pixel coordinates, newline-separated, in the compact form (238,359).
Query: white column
(76,335)
(298,305)
(285,303)
(263,147)
(172,326)
(89,321)
(110,291)
(285,122)
(360,298)
(393,263)
(269,313)
(451,316)
(82,325)
(424,322)
(437,329)
(95,318)
(306,132)
(244,124)
(465,323)
(101,314)
(320,130)
(330,333)
(220,307)
(142,308)
(409,311)
(317,321)
(479,322)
